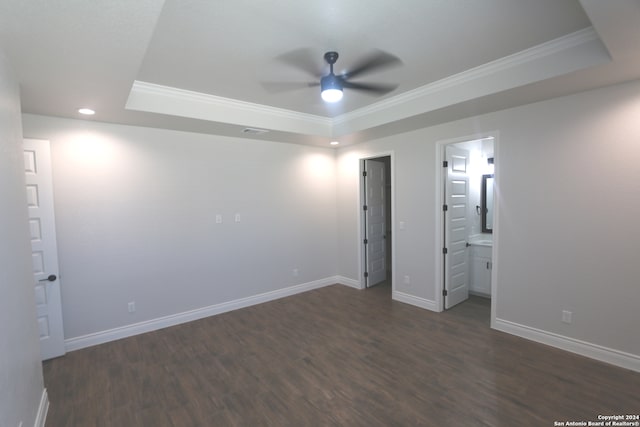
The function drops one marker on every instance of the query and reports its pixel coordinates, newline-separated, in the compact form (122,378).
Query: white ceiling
(200,65)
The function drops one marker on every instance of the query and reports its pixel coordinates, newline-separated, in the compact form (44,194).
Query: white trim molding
(572,52)
(414,300)
(352,283)
(161,99)
(43,409)
(583,348)
(96,338)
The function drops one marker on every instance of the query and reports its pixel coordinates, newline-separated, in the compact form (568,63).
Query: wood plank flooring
(334,356)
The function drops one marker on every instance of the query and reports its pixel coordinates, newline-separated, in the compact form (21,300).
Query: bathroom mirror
(487,203)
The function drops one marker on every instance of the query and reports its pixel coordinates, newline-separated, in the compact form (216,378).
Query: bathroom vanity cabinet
(480,282)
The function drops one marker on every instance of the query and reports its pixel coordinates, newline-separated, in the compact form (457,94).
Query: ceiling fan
(332,85)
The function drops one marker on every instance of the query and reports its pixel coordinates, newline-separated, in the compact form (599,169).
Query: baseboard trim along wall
(583,348)
(96,338)
(604,354)
(41,416)
(352,283)
(414,300)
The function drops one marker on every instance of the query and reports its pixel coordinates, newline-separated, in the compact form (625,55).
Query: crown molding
(151,97)
(572,52)
(502,64)
(570,46)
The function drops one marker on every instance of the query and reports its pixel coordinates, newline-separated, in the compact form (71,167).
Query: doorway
(465,240)
(376,230)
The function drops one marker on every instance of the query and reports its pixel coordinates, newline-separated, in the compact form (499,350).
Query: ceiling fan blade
(379,89)
(375,61)
(303,59)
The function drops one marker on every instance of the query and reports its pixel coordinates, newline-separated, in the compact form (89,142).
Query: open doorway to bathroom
(465,228)
(376,222)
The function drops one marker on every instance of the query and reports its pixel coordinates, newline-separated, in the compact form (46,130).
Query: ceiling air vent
(254,131)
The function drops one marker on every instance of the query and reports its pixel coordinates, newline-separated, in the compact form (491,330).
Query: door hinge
(445,208)
(444,251)
(366,241)
(444,292)
(445,164)
(364,173)
(364,208)
(366,274)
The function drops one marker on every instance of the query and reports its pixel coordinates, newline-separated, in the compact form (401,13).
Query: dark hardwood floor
(334,356)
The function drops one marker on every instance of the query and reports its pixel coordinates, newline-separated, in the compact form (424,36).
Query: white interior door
(456,283)
(44,254)
(375,222)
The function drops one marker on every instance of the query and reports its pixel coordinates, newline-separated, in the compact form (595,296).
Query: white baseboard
(583,348)
(41,416)
(96,338)
(414,300)
(348,282)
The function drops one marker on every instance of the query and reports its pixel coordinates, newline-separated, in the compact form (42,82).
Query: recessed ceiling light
(86,111)
(334,143)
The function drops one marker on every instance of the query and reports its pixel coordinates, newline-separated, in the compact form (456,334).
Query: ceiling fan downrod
(331,85)
(331,58)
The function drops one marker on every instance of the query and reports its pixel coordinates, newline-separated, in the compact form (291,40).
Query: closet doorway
(376,230)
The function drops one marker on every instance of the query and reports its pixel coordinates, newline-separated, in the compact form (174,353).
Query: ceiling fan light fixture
(331,88)
(331,85)
(331,95)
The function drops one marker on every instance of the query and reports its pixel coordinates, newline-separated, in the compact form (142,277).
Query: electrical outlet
(407,280)
(566,316)
(132,307)
(237,217)
(295,272)
(218,219)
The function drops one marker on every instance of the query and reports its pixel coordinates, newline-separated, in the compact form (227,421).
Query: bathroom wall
(479,151)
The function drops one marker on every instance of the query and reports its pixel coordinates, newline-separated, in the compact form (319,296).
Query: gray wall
(135,213)
(21,384)
(568,206)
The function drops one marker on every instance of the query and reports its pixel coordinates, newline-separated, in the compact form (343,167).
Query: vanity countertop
(481,240)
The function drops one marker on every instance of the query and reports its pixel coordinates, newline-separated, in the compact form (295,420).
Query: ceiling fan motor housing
(330,81)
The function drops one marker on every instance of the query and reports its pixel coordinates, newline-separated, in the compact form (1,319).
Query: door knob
(51,278)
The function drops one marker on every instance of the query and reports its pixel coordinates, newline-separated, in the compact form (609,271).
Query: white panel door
(44,254)
(375,222)
(456,282)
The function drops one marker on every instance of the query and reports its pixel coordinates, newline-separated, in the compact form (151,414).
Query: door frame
(439,243)
(361,222)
